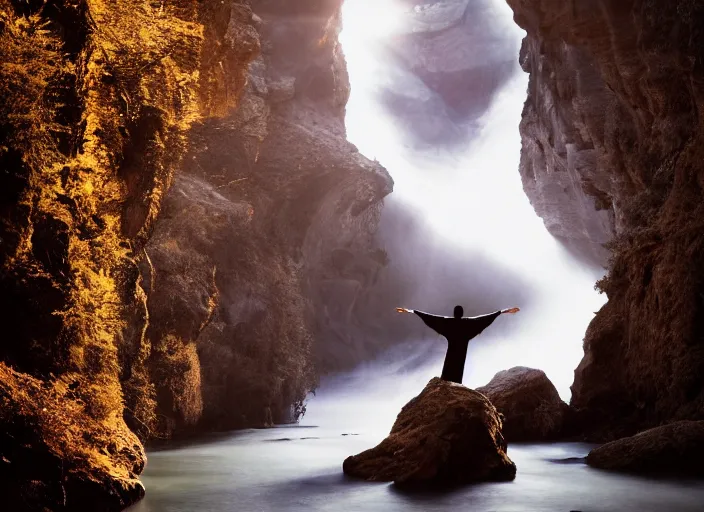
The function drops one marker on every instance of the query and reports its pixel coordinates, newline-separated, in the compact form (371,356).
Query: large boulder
(447,435)
(677,448)
(530,403)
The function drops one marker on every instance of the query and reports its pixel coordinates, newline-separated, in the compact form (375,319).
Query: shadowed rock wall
(612,150)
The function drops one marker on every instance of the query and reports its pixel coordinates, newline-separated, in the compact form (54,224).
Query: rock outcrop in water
(612,149)
(674,449)
(447,435)
(532,408)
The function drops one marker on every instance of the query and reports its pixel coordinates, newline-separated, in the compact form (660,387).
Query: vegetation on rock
(98,97)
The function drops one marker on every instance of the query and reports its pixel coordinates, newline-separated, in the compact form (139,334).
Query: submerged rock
(532,406)
(447,435)
(677,448)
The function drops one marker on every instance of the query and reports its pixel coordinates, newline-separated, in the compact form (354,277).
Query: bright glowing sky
(476,199)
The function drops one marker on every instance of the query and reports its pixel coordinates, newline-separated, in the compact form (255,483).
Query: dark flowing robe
(458,332)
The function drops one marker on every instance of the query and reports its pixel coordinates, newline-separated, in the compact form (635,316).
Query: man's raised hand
(403,310)
(511,311)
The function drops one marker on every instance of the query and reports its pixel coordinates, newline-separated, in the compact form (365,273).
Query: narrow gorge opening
(213,212)
(458,224)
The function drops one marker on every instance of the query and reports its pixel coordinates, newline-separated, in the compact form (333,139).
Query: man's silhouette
(458,330)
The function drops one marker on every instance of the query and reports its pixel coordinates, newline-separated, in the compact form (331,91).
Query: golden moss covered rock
(97,100)
(55,455)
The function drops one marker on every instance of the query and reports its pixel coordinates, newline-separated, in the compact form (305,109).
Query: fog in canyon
(436,98)
(458,225)
(210,210)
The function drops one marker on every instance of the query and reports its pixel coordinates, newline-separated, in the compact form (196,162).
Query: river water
(300,469)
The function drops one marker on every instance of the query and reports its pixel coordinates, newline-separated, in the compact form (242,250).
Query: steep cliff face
(266,237)
(97,97)
(118,323)
(612,137)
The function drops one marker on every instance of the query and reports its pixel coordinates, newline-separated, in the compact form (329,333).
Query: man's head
(459,312)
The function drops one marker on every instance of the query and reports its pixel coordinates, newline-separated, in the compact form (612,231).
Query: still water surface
(299,469)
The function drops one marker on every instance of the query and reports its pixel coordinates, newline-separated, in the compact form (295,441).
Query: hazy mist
(459,207)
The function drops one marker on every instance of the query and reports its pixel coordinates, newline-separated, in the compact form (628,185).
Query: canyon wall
(265,241)
(97,99)
(612,152)
(177,198)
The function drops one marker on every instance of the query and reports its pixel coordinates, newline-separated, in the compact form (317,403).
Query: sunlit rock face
(613,119)
(444,63)
(168,174)
(268,227)
(97,99)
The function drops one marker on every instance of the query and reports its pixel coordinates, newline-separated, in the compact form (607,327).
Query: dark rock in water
(447,435)
(533,409)
(677,448)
